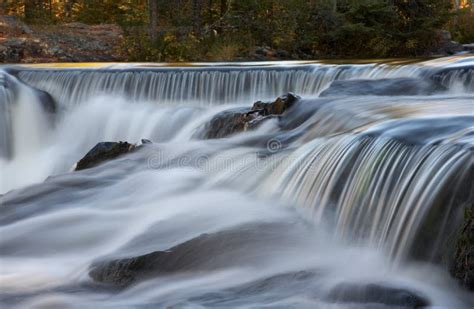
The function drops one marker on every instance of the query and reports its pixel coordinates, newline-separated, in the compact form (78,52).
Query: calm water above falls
(355,191)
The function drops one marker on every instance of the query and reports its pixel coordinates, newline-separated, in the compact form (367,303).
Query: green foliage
(228,29)
(370,28)
(462,26)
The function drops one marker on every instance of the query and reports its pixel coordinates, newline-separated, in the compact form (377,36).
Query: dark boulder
(376,294)
(383,87)
(237,120)
(103,152)
(446,45)
(462,267)
(205,252)
(277,107)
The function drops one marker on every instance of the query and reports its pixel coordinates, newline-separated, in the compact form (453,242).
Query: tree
(68,5)
(153,23)
(34,9)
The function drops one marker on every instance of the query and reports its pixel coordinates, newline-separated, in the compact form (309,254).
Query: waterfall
(198,86)
(362,181)
(380,190)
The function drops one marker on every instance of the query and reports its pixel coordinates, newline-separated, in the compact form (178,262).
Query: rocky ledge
(462,267)
(103,152)
(72,42)
(238,120)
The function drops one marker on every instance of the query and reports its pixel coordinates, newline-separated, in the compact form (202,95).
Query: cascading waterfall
(347,190)
(378,190)
(201,87)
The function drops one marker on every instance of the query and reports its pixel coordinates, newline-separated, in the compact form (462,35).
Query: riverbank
(78,42)
(71,42)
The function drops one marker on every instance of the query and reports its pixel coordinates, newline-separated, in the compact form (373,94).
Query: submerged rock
(237,120)
(463,265)
(376,294)
(103,152)
(238,246)
(383,87)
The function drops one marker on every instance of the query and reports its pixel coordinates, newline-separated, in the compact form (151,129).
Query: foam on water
(346,189)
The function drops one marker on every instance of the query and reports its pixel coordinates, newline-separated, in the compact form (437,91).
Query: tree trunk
(197,17)
(153,10)
(223,11)
(34,9)
(223,7)
(68,5)
(30,9)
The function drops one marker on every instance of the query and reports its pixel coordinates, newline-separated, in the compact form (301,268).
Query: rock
(462,267)
(228,122)
(445,35)
(103,152)
(469,47)
(263,53)
(275,287)
(450,48)
(76,25)
(205,252)
(237,120)
(16,49)
(376,294)
(283,54)
(278,107)
(12,25)
(383,87)
(447,46)
(73,42)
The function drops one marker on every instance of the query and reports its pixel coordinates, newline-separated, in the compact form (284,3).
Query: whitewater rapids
(348,187)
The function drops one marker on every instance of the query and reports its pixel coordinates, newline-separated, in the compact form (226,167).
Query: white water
(202,87)
(331,183)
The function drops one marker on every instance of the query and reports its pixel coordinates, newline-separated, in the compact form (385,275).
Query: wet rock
(447,46)
(237,120)
(205,252)
(376,294)
(462,267)
(103,152)
(275,287)
(469,47)
(383,87)
(278,107)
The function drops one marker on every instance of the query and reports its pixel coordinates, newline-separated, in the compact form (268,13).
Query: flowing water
(362,182)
